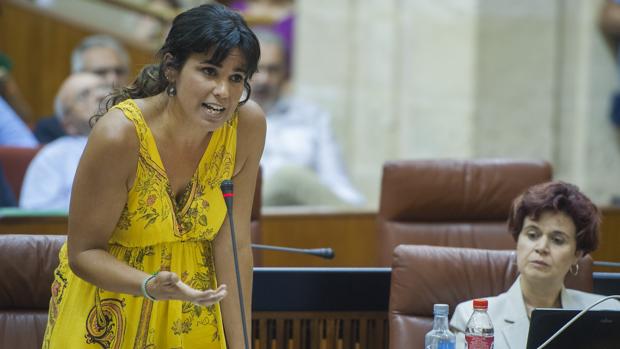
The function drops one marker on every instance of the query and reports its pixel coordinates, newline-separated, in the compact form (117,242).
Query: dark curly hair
(558,197)
(198,30)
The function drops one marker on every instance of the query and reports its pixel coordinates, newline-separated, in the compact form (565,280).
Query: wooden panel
(43,225)
(351,235)
(609,247)
(40,46)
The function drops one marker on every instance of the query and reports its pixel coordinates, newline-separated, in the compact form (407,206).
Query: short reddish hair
(558,197)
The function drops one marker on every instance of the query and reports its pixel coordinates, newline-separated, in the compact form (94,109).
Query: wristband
(145,293)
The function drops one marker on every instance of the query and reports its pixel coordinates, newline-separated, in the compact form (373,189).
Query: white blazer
(509,317)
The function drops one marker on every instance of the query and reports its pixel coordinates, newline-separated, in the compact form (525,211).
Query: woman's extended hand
(167,286)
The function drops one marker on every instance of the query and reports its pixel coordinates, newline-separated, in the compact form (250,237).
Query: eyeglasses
(105,71)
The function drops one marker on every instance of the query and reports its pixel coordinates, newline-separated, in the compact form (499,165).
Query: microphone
(227,192)
(326,252)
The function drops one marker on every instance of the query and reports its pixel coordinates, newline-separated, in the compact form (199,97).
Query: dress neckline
(182,200)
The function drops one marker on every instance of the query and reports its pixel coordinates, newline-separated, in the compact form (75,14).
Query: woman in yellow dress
(148,260)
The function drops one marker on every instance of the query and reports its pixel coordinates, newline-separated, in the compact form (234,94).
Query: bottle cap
(440,309)
(481,304)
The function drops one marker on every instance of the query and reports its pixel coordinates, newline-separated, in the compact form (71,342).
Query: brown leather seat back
(27,264)
(15,162)
(462,203)
(426,275)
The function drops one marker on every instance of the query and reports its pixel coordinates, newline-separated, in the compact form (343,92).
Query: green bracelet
(145,293)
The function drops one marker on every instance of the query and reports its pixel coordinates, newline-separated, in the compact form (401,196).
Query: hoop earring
(576,269)
(171,90)
(248,92)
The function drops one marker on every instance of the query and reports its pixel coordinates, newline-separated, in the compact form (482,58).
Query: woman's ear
(578,255)
(170,71)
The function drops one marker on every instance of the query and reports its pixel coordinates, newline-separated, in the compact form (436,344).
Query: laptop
(596,329)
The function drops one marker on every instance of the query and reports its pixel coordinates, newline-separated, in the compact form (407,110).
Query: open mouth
(213,108)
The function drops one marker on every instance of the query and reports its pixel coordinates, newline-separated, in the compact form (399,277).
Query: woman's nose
(221,89)
(542,245)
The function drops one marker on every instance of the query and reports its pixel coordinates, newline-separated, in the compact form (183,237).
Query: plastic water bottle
(440,336)
(479,329)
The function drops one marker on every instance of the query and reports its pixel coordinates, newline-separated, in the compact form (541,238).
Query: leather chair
(460,203)
(15,162)
(425,275)
(27,264)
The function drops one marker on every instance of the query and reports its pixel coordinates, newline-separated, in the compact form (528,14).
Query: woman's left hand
(167,285)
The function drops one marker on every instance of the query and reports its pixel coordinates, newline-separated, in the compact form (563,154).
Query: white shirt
(48,180)
(299,134)
(509,316)
(13,131)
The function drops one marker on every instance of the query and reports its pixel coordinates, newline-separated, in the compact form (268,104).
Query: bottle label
(478,342)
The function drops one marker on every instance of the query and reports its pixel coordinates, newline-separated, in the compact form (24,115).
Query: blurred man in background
(10,92)
(98,54)
(48,180)
(301,162)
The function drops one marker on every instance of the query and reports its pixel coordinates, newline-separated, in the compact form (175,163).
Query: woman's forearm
(103,270)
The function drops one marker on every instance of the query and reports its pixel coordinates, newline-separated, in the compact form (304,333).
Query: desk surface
(352,234)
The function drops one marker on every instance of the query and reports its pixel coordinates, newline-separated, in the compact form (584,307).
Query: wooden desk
(352,235)
(14,221)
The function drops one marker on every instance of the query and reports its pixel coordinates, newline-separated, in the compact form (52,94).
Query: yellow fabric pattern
(153,233)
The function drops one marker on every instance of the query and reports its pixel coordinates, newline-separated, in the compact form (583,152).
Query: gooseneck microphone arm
(227,192)
(326,252)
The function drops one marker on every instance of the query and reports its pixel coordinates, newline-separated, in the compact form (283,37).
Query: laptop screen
(596,329)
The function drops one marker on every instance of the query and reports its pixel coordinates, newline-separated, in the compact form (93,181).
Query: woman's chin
(538,276)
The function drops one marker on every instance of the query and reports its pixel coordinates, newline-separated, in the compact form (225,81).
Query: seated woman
(554,225)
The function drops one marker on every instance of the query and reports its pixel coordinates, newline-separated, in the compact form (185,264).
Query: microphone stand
(227,192)
(326,253)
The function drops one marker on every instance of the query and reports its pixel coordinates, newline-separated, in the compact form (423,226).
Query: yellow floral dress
(153,233)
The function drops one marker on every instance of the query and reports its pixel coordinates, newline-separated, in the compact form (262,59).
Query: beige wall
(463,78)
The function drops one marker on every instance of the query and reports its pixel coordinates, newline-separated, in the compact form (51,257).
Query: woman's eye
(558,241)
(209,71)
(531,234)
(236,78)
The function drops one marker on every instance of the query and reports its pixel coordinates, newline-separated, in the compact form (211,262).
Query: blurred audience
(48,180)
(13,131)
(154,29)
(275,15)
(98,54)
(10,91)
(301,162)
(609,22)
(7,197)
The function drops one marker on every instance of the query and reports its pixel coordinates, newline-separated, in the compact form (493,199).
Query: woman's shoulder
(251,125)
(575,299)
(251,130)
(114,131)
(251,114)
